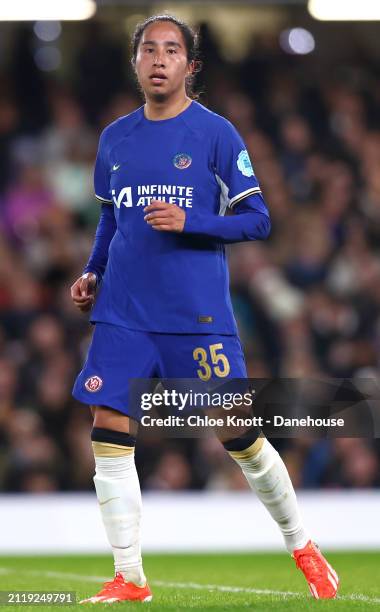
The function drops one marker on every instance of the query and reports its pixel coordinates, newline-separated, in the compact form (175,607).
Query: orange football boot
(323,581)
(119,590)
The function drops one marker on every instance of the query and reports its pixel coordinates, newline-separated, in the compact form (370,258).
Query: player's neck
(159,110)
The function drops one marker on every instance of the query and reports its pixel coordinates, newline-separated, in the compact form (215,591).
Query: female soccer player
(165,175)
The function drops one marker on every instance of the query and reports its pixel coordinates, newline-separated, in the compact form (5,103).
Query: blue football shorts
(117,354)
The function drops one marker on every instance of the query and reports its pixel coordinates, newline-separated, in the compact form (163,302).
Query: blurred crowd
(307,300)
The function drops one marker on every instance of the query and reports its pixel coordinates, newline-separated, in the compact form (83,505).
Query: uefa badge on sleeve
(244,164)
(93,384)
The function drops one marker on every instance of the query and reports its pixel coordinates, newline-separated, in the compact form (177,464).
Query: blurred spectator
(25,203)
(9,118)
(101,65)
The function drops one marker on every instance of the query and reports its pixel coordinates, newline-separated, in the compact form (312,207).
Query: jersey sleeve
(102,173)
(239,190)
(104,233)
(233,167)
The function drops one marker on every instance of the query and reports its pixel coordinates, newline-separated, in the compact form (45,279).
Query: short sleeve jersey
(164,281)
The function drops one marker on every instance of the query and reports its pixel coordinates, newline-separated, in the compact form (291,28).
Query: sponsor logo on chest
(181,195)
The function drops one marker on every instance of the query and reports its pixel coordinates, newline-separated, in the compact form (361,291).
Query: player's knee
(109,418)
(111,443)
(245,446)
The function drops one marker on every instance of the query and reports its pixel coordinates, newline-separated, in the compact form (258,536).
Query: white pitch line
(194,585)
(224,589)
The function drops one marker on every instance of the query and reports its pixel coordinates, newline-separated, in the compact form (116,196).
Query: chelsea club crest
(182,161)
(244,164)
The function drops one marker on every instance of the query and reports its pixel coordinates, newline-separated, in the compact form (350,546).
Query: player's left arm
(250,221)
(240,192)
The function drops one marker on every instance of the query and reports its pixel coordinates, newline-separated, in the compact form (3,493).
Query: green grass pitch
(212,582)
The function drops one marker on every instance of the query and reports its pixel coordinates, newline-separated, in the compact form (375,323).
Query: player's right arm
(84,289)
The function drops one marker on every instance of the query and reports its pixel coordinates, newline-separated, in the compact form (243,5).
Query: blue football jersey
(162,281)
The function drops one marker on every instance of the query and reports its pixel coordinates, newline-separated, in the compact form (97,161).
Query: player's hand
(83,291)
(165,217)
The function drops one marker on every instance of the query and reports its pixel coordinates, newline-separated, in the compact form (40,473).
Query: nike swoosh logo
(115,167)
(108,500)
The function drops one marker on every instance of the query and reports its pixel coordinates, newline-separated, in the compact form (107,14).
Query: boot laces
(108,586)
(311,564)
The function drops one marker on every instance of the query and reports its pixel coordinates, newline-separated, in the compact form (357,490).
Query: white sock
(267,475)
(118,491)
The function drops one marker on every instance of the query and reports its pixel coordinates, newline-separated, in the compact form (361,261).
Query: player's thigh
(116,356)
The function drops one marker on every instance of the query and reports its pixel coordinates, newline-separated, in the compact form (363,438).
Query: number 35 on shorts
(215,362)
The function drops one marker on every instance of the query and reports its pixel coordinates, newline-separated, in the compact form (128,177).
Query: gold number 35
(219,361)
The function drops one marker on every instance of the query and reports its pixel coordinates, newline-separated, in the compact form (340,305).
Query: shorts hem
(93,402)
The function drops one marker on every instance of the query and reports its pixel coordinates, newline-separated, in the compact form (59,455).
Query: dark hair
(189,35)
